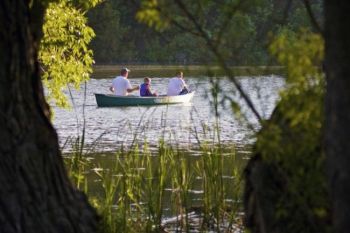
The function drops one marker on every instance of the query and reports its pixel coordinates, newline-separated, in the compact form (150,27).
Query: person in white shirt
(121,85)
(177,85)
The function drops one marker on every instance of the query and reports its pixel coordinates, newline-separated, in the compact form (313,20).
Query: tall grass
(144,191)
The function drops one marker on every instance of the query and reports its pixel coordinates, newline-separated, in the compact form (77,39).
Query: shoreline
(139,71)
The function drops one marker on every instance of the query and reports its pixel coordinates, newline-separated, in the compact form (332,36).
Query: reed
(141,189)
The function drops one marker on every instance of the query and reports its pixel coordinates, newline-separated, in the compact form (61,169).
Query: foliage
(291,140)
(300,18)
(239,27)
(83,5)
(203,20)
(64,55)
(301,102)
(105,19)
(151,15)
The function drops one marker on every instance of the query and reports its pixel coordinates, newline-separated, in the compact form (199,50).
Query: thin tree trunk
(35,194)
(337,127)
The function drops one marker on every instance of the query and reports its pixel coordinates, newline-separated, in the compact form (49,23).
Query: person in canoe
(177,85)
(121,85)
(145,88)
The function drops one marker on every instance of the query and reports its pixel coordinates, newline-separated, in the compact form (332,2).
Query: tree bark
(36,194)
(337,125)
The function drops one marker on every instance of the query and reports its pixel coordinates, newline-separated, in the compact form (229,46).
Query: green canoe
(104,100)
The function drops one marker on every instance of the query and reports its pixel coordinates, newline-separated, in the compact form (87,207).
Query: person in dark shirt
(145,88)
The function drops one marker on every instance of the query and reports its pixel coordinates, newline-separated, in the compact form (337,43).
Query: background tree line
(121,38)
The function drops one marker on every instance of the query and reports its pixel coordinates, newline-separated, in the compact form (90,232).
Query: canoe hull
(104,100)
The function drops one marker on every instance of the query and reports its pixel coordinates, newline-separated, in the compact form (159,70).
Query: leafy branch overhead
(64,54)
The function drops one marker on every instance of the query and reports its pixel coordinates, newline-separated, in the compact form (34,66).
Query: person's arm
(135,88)
(130,88)
(111,88)
(183,83)
(185,87)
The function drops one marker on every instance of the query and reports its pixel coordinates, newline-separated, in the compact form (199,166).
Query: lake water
(109,128)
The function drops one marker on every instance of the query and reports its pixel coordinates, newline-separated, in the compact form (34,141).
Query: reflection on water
(178,124)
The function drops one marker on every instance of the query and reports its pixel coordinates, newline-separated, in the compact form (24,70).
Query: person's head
(124,72)
(179,74)
(147,80)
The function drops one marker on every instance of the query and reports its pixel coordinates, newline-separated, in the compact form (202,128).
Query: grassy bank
(137,71)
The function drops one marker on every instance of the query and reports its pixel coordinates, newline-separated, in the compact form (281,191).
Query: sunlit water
(109,128)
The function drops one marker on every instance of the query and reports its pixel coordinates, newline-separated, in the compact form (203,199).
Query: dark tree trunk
(337,127)
(35,194)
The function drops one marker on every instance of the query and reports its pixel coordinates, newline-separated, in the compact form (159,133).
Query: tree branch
(184,28)
(221,60)
(312,17)
(37,15)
